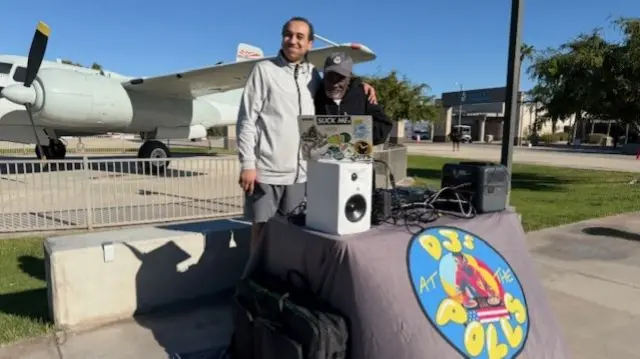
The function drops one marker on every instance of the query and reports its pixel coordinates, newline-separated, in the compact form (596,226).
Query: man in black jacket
(343,94)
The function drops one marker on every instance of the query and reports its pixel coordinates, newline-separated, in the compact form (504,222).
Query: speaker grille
(355,208)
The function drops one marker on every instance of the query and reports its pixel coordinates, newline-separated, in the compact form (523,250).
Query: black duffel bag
(277,320)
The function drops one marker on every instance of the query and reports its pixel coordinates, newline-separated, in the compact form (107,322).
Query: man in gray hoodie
(273,173)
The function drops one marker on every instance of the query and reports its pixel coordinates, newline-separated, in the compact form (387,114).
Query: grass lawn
(551,196)
(23,295)
(545,196)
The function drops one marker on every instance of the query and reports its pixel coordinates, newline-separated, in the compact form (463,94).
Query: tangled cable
(415,208)
(414,214)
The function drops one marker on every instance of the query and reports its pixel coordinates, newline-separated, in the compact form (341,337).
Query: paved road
(537,155)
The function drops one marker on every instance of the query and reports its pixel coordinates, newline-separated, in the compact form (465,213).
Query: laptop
(338,138)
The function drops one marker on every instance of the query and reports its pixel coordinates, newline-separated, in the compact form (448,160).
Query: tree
(402,99)
(620,76)
(590,77)
(566,76)
(98,67)
(94,66)
(526,52)
(549,90)
(69,62)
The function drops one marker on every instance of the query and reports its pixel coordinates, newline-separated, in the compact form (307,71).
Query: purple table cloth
(460,288)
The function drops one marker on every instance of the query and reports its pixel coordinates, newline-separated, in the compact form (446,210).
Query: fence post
(87,192)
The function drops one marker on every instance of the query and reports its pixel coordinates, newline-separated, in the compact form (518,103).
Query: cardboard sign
(338,138)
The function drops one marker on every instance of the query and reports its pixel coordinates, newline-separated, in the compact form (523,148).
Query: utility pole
(463,97)
(513,86)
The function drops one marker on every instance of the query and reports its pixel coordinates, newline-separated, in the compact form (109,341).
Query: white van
(465,130)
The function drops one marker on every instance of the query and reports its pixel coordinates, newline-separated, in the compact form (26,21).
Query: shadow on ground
(33,266)
(193,328)
(612,232)
(527,181)
(198,327)
(30,304)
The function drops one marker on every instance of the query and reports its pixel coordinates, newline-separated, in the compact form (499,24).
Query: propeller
(25,94)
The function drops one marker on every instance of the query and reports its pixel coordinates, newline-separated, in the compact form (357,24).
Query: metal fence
(115,143)
(89,193)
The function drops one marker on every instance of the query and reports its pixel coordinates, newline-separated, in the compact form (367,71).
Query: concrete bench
(101,277)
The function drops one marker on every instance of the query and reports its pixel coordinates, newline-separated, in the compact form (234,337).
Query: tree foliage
(94,66)
(590,77)
(402,99)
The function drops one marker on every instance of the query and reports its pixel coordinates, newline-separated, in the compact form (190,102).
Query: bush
(554,137)
(597,138)
(561,136)
(547,138)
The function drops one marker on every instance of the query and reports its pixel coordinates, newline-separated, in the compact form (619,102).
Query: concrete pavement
(590,269)
(200,333)
(550,156)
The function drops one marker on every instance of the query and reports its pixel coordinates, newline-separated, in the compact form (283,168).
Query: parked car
(424,135)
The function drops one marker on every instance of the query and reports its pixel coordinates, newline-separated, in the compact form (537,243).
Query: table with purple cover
(397,312)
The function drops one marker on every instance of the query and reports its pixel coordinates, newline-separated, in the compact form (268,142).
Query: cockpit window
(20,74)
(5,68)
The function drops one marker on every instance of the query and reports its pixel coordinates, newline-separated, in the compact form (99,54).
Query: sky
(438,42)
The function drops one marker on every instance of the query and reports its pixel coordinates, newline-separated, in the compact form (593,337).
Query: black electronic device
(390,204)
(382,205)
(482,184)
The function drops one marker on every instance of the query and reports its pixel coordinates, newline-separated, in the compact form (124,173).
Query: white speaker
(339,196)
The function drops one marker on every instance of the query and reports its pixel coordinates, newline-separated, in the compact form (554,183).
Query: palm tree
(526,52)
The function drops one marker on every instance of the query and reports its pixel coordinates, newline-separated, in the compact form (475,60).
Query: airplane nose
(19,94)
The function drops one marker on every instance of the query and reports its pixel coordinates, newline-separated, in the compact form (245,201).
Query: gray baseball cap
(339,62)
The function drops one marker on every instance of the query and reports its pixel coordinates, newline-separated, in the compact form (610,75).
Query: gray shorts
(268,200)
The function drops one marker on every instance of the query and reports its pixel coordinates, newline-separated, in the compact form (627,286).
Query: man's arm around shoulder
(251,103)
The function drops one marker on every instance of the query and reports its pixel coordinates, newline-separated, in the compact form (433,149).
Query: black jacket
(355,102)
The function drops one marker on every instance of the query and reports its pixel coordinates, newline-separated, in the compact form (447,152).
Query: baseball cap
(339,62)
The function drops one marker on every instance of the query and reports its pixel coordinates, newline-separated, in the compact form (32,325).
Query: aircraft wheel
(57,150)
(155,151)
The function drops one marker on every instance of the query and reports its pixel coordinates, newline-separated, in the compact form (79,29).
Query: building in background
(483,110)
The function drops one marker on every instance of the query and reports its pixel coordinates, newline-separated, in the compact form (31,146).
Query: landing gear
(156,151)
(56,150)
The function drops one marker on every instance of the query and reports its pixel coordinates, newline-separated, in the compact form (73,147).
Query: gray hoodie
(267,127)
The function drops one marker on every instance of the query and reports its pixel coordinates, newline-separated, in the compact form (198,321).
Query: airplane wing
(225,77)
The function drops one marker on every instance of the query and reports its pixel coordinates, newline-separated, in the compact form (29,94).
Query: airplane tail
(248,52)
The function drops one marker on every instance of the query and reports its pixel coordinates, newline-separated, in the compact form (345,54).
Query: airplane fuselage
(79,101)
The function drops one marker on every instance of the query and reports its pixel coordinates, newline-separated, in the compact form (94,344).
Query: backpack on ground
(276,320)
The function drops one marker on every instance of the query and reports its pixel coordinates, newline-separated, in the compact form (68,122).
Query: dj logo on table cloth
(468,292)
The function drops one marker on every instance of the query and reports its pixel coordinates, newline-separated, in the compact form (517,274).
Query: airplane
(42,101)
